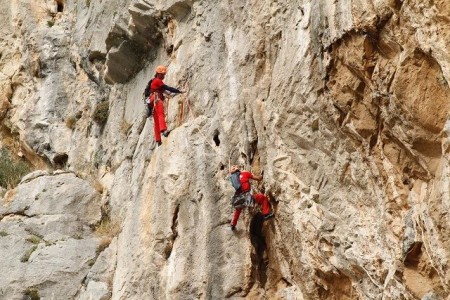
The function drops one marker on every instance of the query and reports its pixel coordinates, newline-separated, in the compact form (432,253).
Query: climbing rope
(166,107)
(180,118)
(193,116)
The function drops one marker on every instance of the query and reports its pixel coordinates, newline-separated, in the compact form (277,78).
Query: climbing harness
(242,200)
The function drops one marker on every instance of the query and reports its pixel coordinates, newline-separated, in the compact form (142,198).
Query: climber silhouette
(154,93)
(243,196)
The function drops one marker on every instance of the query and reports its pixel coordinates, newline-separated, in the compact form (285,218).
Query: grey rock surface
(46,237)
(343,105)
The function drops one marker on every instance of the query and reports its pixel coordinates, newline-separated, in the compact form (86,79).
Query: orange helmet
(234,169)
(161,70)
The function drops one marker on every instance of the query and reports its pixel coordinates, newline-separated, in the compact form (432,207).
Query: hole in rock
(419,274)
(60,159)
(59,6)
(334,285)
(216,139)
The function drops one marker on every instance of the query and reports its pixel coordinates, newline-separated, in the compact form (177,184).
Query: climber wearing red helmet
(157,90)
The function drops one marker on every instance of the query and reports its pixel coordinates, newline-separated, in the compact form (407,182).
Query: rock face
(343,105)
(47,244)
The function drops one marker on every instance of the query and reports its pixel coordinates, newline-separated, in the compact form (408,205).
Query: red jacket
(157,86)
(245,181)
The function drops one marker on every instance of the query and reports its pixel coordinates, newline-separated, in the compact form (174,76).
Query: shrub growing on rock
(70,122)
(26,256)
(11,172)
(31,294)
(101,112)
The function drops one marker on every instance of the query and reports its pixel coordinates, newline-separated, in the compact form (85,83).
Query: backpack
(147,89)
(235,180)
(148,103)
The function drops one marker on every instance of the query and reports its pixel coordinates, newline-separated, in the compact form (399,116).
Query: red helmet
(161,70)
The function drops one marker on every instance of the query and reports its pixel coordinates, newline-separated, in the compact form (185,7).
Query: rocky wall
(343,105)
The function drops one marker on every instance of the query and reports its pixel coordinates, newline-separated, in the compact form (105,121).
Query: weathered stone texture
(343,104)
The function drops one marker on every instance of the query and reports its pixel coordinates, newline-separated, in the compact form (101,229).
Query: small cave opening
(418,268)
(334,285)
(59,6)
(60,159)
(216,138)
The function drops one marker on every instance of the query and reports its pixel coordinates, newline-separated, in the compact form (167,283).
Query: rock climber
(157,89)
(245,192)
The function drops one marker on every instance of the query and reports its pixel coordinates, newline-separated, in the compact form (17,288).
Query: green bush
(34,239)
(71,121)
(11,172)
(101,112)
(26,256)
(31,294)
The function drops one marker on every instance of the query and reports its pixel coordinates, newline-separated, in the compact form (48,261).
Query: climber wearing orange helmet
(244,192)
(157,88)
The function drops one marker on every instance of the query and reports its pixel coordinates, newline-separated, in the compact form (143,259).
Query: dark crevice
(59,6)
(17,213)
(413,254)
(257,236)
(60,160)
(286,282)
(253,150)
(174,228)
(342,114)
(375,137)
(260,261)
(216,138)
(84,65)
(373,140)
(398,4)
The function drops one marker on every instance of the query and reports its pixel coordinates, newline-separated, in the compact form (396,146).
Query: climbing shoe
(166,133)
(159,143)
(232,227)
(268,216)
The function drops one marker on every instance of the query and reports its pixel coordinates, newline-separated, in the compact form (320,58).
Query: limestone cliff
(343,104)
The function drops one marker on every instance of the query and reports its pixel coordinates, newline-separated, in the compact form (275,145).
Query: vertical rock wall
(344,106)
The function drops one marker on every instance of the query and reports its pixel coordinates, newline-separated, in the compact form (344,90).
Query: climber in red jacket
(157,90)
(245,188)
